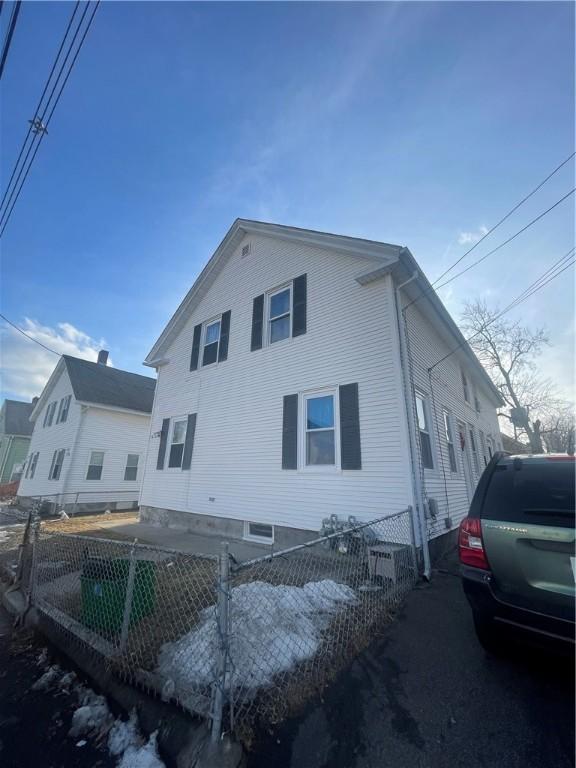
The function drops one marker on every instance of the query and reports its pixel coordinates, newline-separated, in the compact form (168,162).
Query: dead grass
(100,525)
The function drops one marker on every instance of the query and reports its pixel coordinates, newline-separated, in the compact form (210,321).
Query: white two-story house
(91,428)
(294,383)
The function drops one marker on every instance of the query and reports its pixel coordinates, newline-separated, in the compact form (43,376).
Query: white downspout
(418,491)
(64,492)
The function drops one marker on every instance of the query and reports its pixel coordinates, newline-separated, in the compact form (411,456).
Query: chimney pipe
(103,357)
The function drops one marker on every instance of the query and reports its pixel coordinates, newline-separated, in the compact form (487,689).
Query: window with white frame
(483,446)
(424,421)
(177,440)
(474,450)
(448,431)
(476,402)
(279,314)
(319,431)
(211,342)
(56,465)
(95,465)
(131,469)
(63,409)
(49,415)
(465,386)
(32,463)
(259,532)
(489,446)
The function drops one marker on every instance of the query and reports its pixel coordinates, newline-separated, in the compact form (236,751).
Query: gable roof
(104,385)
(385,257)
(357,247)
(15,418)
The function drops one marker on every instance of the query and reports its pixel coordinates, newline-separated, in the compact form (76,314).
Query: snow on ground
(274,628)
(93,719)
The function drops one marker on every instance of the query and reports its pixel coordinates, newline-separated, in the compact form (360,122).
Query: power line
(37,110)
(7,214)
(8,39)
(27,336)
(507,216)
(564,263)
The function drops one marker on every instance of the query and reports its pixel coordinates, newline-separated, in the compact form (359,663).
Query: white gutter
(408,402)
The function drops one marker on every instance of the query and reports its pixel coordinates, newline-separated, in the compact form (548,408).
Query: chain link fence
(244,644)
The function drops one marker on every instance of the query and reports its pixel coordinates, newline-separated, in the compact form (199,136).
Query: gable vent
(246,250)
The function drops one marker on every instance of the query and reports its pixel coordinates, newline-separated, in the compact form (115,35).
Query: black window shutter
(163,441)
(290,432)
(257,322)
(224,336)
(195,347)
(189,443)
(299,291)
(350,451)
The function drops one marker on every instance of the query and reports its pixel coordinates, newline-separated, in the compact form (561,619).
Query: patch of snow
(48,679)
(92,717)
(4,536)
(67,680)
(276,627)
(63,515)
(81,743)
(42,659)
(124,734)
(143,757)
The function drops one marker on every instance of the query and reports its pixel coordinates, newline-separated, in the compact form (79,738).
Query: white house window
(32,462)
(474,450)
(483,447)
(476,403)
(49,416)
(259,532)
(131,470)
(63,409)
(450,441)
(423,415)
(95,466)
(489,445)
(211,343)
(279,319)
(465,387)
(319,430)
(177,443)
(56,466)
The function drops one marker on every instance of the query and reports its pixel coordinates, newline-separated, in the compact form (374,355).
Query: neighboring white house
(91,429)
(292,386)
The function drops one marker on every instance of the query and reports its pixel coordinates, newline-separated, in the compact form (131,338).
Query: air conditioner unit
(385,561)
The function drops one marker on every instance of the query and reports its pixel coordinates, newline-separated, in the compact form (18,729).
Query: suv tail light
(470,544)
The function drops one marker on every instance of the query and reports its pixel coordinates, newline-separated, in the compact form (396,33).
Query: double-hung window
(95,466)
(211,342)
(56,466)
(177,440)
(131,469)
(423,415)
(474,450)
(279,314)
(63,409)
(450,441)
(489,446)
(483,446)
(465,387)
(49,415)
(32,462)
(320,433)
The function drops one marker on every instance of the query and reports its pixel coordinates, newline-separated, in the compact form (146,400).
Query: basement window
(261,532)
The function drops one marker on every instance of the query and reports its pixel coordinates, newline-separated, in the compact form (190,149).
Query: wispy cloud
(469,238)
(26,367)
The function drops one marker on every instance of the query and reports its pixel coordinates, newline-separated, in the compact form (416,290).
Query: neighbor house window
(423,415)
(465,387)
(211,343)
(56,466)
(483,446)
(177,443)
(49,415)
(489,445)
(95,466)
(63,409)
(474,450)
(320,435)
(279,304)
(259,532)
(476,403)
(32,462)
(450,441)
(131,470)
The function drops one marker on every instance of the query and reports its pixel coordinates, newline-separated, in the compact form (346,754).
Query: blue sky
(414,123)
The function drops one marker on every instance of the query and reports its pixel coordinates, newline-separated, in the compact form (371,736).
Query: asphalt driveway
(428,696)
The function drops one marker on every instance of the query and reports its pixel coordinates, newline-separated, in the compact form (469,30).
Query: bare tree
(508,351)
(558,429)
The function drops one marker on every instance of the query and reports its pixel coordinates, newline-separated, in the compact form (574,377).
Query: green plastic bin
(104,582)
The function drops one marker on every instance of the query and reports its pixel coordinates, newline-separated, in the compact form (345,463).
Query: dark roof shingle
(102,384)
(15,418)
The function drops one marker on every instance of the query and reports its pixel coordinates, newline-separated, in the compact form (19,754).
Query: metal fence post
(222,619)
(129,597)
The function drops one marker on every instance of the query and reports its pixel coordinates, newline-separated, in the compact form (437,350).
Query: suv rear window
(532,492)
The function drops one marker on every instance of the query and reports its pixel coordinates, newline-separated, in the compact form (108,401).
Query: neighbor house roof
(15,418)
(382,257)
(104,385)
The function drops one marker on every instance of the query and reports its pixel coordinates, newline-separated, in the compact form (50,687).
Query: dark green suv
(517,550)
